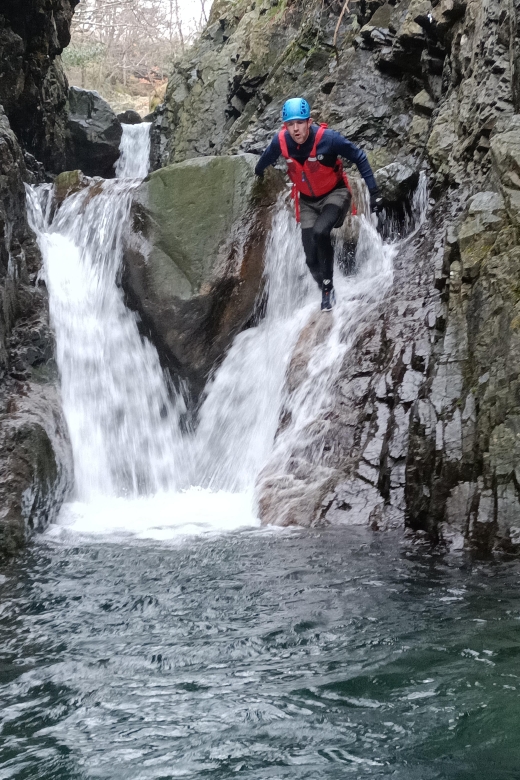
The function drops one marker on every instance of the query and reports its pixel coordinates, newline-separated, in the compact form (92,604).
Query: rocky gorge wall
(423,425)
(34,463)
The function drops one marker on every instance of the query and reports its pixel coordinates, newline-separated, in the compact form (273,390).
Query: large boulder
(94,134)
(130,117)
(35,464)
(196,280)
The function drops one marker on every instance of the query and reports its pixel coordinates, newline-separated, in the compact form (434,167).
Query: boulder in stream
(94,134)
(130,117)
(35,464)
(196,278)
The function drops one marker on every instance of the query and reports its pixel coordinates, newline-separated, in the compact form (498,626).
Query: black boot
(328,298)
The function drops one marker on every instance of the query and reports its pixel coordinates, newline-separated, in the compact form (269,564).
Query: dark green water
(301,655)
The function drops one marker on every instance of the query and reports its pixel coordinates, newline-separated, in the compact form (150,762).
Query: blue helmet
(295,108)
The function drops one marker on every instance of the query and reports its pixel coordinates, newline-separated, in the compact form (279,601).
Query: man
(320,187)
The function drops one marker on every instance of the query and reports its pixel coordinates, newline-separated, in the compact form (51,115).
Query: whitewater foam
(165,517)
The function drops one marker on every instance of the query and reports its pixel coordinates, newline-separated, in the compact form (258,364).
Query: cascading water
(358,295)
(134,468)
(239,416)
(122,424)
(134,157)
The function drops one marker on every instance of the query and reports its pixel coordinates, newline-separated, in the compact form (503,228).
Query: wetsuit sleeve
(345,148)
(269,156)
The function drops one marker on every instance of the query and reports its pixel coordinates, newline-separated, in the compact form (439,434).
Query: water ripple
(299,655)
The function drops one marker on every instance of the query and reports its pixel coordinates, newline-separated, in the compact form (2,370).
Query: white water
(133,162)
(136,474)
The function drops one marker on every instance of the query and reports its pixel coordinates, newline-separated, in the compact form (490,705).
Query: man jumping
(320,186)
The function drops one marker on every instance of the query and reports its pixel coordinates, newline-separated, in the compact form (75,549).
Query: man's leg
(309,213)
(311,255)
(330,214)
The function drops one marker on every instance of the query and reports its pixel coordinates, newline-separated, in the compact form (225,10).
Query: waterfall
(136,472)
(133,162)
(123,425)
(240,413)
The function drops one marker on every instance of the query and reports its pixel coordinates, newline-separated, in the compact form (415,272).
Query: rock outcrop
(94,134)
(196,277)
(35,466)
(423,416)
(33,87)
(33,95)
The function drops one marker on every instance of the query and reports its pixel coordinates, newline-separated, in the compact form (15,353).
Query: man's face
(299,129)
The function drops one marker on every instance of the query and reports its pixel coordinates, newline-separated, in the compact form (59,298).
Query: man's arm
(269,156)
(353,153)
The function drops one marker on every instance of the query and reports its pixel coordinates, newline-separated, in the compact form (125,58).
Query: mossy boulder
(68,183)
(196,278)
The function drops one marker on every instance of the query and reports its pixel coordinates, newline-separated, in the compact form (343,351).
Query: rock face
(35,466)
(33,94)
(94,134)
(423,415)
(196,283)
(464,432)
(33,87)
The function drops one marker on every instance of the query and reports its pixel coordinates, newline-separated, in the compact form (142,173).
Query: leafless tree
(120,40)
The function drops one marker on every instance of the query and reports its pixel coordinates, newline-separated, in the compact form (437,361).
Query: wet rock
(295,499)
(19,257)
(69,182)
(423,103)
(130,117)
(196,282)
(34,456)
(33,87)
(355,503)
(397,180)
(35,464)
(94,134)
(361,434)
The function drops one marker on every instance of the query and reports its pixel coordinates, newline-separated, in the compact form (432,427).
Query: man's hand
(258,173)
(376,201)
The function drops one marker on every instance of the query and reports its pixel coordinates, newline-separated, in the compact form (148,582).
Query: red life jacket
(312,178)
